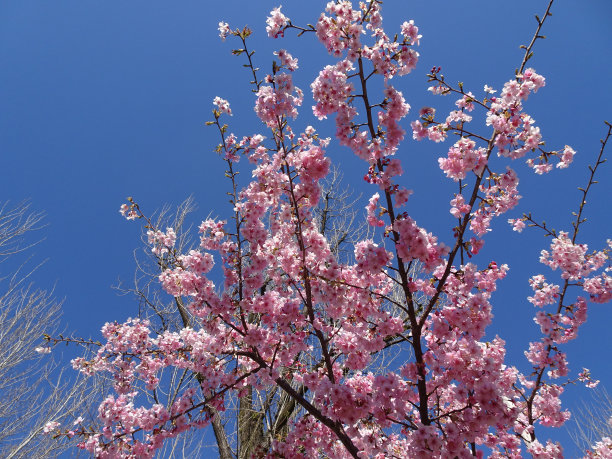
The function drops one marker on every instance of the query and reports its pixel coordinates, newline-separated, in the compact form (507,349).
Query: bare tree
(592,420)
(337,215)
(33,389)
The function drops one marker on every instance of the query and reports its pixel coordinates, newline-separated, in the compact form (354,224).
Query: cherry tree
(268,307)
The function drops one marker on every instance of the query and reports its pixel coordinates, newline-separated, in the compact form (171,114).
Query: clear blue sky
(106,99)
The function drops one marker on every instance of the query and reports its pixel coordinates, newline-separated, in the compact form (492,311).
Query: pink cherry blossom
(287,60)
(276,23)
(518,224)
(280,100)
(409,30)
(566,158)
(223,105)
(224,30)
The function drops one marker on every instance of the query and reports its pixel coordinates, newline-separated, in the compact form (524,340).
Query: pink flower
(462,158)
(287,60)
(371,208)
(409,30)
(279,101)
(459,206)
(223,105)
(566,157)
(276,23)
(402,195)
(50,426)
(224,30)
(330,89)
(517,224)
(418,131)
(585,377)
(128,211)
(370,257)
(489,89)
(161,242)
(427,111)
